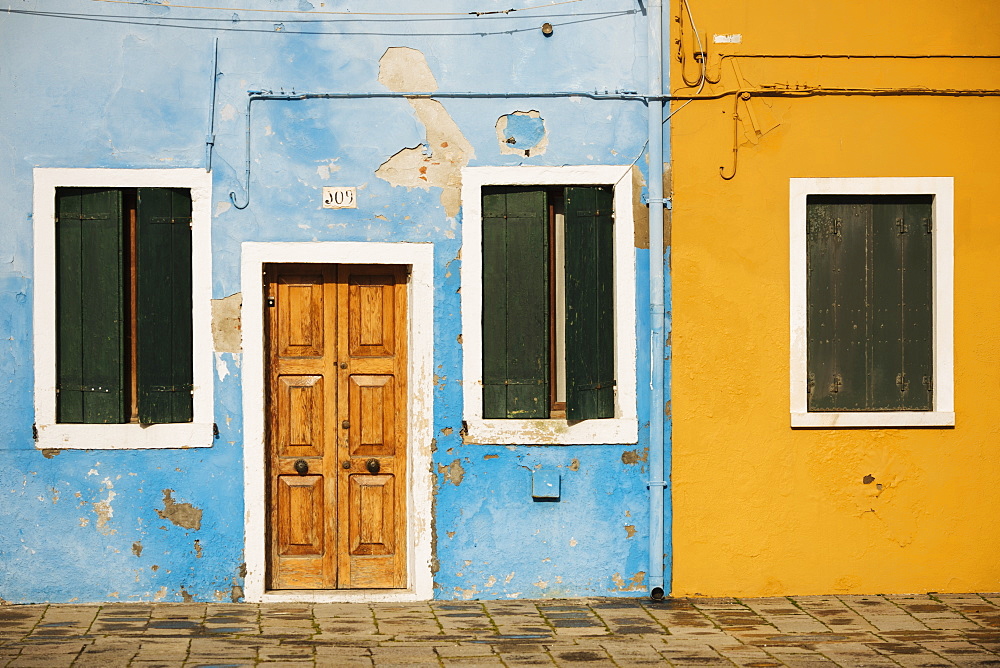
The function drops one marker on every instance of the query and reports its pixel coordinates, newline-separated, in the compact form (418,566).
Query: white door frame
(420,409)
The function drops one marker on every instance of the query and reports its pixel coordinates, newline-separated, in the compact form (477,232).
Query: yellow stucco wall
(761,508)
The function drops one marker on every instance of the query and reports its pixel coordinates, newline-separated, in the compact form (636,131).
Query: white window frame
(621,429)
(52,434)
(942,413)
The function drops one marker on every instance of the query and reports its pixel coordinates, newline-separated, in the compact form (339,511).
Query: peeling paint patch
(103,509)
(447,431)
(630,530)
(160,594)
(453,472)
(181,514)
(439,161)
(198,552)
(632,457)
(49,453)
(137,548)
(574,465)
(634,583)
(522,133)
(227,336)
(188,598)
(491,456)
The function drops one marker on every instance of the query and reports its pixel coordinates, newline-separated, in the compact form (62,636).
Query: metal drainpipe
(656,297)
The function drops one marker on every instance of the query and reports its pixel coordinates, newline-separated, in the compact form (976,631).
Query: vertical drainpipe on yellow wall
(656,298)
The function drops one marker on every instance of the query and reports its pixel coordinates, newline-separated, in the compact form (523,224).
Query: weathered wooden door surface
(336,339)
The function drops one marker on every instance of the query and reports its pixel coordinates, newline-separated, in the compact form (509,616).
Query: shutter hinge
(901,227)
(34,432)
(928,225)
(811,383)
(270,302)
(215,429)
(838,227)
(836,384)
(929,384)
(902,383)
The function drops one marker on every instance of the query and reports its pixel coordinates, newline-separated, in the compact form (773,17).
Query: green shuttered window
(870,302)
(548,304)
(123,284)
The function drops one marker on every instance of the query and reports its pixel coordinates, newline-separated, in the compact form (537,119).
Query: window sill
(552,432)
(124,436)
(874,419)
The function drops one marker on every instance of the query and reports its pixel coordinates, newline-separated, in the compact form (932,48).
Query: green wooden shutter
(869,303)
(515,303)
(590,324)
(900,365)
(837,229)
(89,296)
(164,368)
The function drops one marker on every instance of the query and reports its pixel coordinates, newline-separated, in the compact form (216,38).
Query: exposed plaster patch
(49,453)
(447,431)
(103,509)
(198,552)
(137,548)
(188,598)
(405,70)
(181,514)
(630,530)
(572,542)
(522,133)
(574,465)
(227,336)
(237,594)
(491,456)
(453,472)
(324,171)
(634,583)
(160,594)
(221,368)
(632,457)
(491,581)
(439,161)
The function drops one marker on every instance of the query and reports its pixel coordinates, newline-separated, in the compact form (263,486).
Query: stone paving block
(580,656)
(511,659)
(472,661)
(454,651)
(854,654)
(404,654)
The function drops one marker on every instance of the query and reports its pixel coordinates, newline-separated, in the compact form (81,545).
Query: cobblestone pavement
(807,631)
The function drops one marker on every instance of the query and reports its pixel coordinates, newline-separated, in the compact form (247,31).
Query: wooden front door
(336,454)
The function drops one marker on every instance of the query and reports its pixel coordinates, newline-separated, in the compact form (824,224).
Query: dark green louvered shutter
(515,303)
(870,307)
(89,297)
(164,368)
(590,325)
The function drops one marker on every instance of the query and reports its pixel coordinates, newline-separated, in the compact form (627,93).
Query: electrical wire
(704,64)
(158,22)
(474,14)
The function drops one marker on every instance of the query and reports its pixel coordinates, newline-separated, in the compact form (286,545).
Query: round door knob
(373,466)
(301,467)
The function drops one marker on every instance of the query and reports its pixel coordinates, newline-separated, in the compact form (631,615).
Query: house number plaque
(340,197)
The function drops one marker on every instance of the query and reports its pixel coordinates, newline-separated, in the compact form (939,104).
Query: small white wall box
(545,484)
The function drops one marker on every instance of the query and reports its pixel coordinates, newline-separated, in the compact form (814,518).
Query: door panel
(373,334)
(336,338)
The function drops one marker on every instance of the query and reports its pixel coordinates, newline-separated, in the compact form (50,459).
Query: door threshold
(339,596)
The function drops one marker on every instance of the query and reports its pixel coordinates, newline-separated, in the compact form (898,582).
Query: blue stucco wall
(129,86)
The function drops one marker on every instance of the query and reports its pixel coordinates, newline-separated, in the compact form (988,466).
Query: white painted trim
(942,188)
(623,428)
(195,434)
(420,410)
